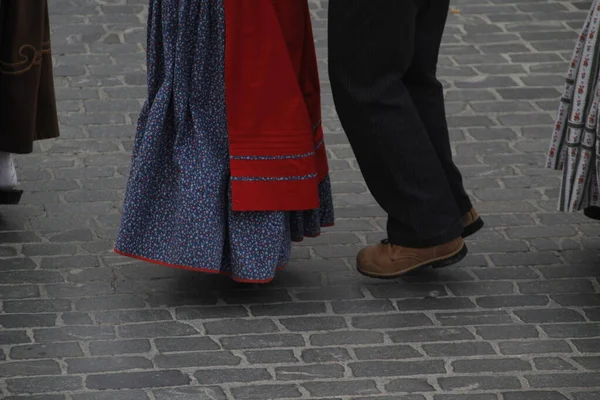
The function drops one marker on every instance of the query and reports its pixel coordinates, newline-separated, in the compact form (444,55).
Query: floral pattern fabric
(575,145)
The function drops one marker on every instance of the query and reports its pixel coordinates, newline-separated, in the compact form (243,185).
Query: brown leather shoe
(385,260)
(472,223)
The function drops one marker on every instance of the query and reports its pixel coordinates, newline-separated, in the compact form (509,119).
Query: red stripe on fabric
(295,195)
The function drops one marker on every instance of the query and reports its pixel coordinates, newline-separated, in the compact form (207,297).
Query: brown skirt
(27,100)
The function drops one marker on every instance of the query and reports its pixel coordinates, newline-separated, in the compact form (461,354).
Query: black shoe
(10,196)
(592,212)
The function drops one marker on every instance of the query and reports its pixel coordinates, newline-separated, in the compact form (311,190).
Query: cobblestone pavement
(518,320)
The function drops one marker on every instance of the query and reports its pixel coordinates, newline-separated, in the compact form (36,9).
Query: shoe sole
(473,228)
(437,263)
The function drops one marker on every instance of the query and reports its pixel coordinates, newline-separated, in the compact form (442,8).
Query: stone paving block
(466,383)
(309,372)
(503,365)
(346,338)
(131,316)
(77,290)
(549,315)
(191,393)
(117,347)
(137,380)
(394,321)
(431,304)
(512,301)
(341,388)
(312,324)
(583,380)
(180,344)
(362,306)
(238,375)
(481,288)
(327,354)
(204,313)
(274,357)
(53,350)
(578,330)
(392,397)
(120,395)
(431,335)
(462,349)
(74,318)
(68,334)
(262,341)
(197,359)
(480,396)
(14,337)
(259,392)
(106,364)
(19,292)
(534,347)
(586,395)
(397,352)
(37,397)
(587,345)
(553,364)
(29,368)
(27,320)
(474,318)
(534,395)
(391,291)
(153,329)
(407,385)
(20,277)
(397,368)
(593,314)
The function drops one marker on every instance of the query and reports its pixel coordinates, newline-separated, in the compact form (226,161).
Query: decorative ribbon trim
(273,178)
(30,57)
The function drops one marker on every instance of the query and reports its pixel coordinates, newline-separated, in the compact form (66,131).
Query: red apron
(273,103)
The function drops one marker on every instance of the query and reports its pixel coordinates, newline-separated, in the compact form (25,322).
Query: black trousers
(382,64)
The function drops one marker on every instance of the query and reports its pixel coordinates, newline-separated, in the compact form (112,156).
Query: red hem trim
(204,270)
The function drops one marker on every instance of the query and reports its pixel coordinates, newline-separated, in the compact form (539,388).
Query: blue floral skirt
(177,209)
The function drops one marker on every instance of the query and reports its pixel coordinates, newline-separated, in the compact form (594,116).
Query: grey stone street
(518,319)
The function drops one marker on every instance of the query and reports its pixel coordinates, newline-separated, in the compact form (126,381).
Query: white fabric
(8,171)
(575,144)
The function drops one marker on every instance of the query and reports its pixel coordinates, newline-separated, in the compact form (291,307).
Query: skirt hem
(204,270)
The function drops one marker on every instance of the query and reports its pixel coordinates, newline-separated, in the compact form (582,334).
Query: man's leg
(371,46)
(427,92)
